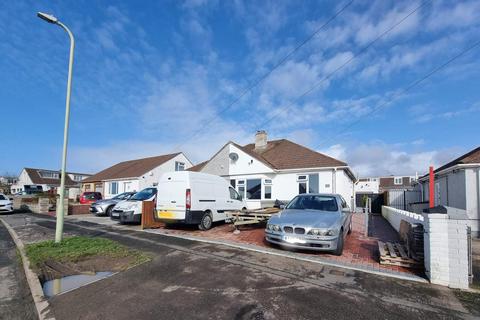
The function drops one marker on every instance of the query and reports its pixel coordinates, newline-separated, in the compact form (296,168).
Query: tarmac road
(192,280)
(16,301)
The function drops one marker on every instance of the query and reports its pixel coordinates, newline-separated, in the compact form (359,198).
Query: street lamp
(60,214)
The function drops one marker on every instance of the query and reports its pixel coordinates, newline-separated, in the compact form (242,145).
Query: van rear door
(171,199)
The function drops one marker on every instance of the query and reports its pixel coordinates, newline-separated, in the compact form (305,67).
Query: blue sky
(157,77)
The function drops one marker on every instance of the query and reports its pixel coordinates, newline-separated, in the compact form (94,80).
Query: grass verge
(74,249)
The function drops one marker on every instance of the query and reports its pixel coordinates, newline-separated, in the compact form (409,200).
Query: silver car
(105,207)
(312,221)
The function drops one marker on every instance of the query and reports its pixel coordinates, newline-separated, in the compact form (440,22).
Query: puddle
(57,286)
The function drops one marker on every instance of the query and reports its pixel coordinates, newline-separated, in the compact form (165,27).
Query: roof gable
(131,168)
(38,179)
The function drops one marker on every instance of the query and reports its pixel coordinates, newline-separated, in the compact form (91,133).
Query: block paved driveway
(359,251)
(193,280)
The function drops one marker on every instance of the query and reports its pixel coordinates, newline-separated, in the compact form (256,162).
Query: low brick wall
(445,242)
(74,209)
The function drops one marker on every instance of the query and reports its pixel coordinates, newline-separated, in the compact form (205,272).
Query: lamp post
(60,214)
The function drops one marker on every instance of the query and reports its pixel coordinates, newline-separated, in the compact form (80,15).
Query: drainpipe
(478,193)
(334,180)
(431,194)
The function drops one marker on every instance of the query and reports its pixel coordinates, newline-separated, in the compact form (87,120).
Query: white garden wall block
(445,243)
(446,249)
(395,216)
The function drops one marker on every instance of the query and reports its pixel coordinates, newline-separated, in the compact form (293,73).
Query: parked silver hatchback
(313,222)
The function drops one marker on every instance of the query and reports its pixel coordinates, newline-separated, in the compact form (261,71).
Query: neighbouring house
(33,180)
(457,184)
(382,184)
(367,185)
(396,183)
(265,171)
(134,175)
(6,184)
(391,190)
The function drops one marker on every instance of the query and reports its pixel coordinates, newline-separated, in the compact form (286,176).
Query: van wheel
(206,222)
(244,209)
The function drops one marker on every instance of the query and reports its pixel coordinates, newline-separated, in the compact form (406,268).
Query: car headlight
(323,232)
(273,227)
(330,232)
(132,206)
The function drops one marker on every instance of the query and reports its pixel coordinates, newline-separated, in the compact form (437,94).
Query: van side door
(235,200)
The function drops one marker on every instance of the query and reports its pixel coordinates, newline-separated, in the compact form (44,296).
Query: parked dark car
(104,207)
(90,197)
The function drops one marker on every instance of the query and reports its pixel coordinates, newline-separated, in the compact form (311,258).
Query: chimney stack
(260,140)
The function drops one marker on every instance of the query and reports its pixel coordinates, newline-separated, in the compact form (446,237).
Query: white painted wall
(23,179)
(395,216)
(285,185)
(245,164)
(446,250)
(472,187)
(124,185)
(149,179)
(371,186)
(152,177)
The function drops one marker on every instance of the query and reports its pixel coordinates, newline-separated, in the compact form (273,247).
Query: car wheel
(339,250)
(109,211)
(206,222)
(350,228)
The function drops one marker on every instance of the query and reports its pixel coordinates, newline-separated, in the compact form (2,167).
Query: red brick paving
(359,250)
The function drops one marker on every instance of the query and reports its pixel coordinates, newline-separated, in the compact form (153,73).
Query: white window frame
(179,165)
(395,181)
(111,187)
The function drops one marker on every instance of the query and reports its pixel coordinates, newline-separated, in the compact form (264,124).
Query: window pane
(179,166)
(302,187)
(233,193)
(268,192)
(232,182)
(313,183)
(254,188)
(241,190)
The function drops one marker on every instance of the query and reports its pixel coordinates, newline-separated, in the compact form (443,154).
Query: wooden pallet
(251,216)
(395,254)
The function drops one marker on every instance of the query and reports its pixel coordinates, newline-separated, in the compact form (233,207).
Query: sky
(157,77)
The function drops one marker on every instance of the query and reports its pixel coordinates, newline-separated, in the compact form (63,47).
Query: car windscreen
(121,196)
(2,197)
(144,194)
(323,203)
(89,196)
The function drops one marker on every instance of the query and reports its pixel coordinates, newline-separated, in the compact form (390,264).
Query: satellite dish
(233,156)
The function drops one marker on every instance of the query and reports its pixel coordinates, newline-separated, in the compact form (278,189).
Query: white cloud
(380,159)
(457,15)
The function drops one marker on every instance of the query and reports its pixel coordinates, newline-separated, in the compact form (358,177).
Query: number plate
(293,239)
(115,214)
(165,214)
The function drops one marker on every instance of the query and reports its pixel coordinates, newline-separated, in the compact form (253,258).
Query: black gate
(377,201)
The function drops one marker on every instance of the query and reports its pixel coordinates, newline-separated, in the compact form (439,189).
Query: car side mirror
(11,199)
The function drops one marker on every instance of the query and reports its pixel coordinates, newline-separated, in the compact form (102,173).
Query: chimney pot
(260,140)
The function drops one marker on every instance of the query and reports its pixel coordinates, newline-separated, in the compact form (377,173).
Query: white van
(131,210)
(195,198)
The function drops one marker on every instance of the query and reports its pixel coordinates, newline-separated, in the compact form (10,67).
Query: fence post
(368,208)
